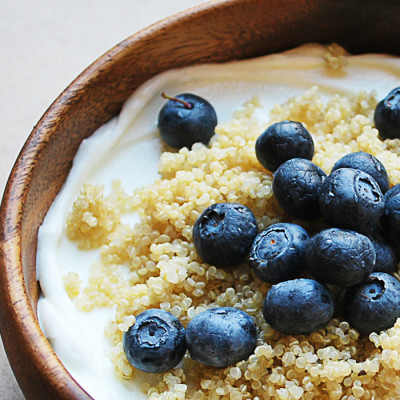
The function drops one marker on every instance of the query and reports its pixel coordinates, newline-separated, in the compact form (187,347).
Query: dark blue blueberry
(368,163)
(387,115)
(298,306)
(373,305)
(221,336)
(296,186)
(224,233)
(340,256)
(191,120)
(156,342)
(281,142)
(390,220)
(393,191)
(277,254)
(351,199)
(386,253)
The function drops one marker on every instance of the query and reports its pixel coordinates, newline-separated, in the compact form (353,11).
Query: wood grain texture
(215,32)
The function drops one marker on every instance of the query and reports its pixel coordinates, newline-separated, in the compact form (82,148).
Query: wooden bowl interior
(216,32)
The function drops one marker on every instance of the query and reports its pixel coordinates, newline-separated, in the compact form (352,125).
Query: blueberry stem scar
(186,104)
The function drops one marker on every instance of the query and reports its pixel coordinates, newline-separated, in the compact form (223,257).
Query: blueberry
(387,115)
(224,233)
(281,142)
(277,254)
(156,342)
(221,336)
(373,305)
(351,199)
(185,120)
(368,163)
(386,253)
(340,256)
(391,214)
(296,185)
(298,306)
(393,191)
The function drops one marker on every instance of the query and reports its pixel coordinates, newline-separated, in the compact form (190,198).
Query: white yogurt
(128,148)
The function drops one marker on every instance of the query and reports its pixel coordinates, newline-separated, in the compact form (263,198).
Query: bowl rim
(16,312)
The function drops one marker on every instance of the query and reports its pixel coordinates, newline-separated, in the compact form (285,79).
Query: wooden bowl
(215,32)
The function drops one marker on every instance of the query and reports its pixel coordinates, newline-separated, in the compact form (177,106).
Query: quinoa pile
(154,264)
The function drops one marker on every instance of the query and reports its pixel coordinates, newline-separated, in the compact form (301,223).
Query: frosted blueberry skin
(277,253)
(387,258)
(181,126)
(393,191)
(340,256)
(373,305)
(387,115)
(390,220)
(296,186)
(298,306)
(369,164)
(281,142)
(351,199)
(223,234)
(156,342)
(221,336)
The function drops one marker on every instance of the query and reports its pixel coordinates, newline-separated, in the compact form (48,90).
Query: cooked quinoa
(335,57)
(154,264)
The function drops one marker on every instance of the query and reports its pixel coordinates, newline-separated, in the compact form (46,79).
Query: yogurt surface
(128,148)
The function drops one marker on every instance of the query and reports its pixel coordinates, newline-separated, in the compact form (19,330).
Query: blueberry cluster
(217,337)
(356,250)
(353,203)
